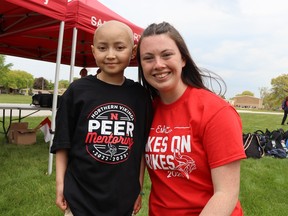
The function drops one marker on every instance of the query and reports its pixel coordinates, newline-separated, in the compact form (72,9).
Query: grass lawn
(26,189)
(21,99)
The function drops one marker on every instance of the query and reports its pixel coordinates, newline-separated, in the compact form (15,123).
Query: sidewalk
(259,112)
(25,112)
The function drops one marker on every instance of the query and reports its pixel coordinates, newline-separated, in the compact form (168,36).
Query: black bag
(274,139)
(278,153)
(44,100)
(253,146)
(263,138)
(276,144)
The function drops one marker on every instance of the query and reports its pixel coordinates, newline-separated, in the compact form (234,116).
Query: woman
(285,109)
(195,143)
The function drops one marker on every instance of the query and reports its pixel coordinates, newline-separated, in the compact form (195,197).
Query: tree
(280,86)
(40,83)
(265,95)
(63,84)
(50,85)
(16,79)
(246,93)
(21,79)
(4,69)
(279,90)
(263,92)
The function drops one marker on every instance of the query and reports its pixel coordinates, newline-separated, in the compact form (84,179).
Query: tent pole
(73,54)
(55,93)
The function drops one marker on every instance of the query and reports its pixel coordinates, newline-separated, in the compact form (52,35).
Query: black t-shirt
(105,128)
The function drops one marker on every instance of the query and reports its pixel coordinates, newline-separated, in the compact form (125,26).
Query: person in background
(102,125)
(83,72)
(285,109)
(195,146)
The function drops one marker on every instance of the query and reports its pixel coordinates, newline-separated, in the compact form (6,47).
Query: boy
(101,129)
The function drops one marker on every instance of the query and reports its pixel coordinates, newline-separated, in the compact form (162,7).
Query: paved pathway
(259,112)
(24,112)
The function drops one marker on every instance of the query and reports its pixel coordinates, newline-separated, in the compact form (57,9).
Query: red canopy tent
(19,17)
(38,36)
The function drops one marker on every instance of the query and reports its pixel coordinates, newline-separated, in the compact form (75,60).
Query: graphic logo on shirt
(168,149)
(110,133)
(185,164)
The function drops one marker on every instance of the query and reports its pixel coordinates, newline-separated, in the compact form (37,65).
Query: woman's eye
(165,55)
(146,58)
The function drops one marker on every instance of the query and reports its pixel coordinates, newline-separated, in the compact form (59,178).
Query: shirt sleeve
(64,124)
(223,138)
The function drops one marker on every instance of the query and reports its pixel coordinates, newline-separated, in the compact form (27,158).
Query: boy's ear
(92,49)
(134,51)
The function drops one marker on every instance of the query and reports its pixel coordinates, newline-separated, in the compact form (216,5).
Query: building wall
(248,102)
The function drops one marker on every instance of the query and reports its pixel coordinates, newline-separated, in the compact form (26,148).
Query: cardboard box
(20,134)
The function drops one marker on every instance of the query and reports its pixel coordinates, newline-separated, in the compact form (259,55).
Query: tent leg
(55,93)
(73,54)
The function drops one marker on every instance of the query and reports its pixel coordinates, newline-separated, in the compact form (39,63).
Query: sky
(243,41)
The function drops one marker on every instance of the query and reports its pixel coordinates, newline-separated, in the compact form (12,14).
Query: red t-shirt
(188,138)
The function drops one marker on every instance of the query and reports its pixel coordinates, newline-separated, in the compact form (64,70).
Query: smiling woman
(186,152)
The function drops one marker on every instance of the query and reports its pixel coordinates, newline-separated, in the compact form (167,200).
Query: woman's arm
(226,183)
(138,202)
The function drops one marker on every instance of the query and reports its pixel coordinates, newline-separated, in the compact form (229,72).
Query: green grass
(27,190)
(25,187)
(21,99)
(255,121)
(264,187)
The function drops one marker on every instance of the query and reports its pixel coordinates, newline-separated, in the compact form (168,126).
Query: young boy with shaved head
(101,129)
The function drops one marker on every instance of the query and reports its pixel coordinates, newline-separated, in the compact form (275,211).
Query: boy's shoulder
(135,86)
(130,82)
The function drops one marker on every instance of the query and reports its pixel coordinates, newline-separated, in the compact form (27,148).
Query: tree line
(17,79)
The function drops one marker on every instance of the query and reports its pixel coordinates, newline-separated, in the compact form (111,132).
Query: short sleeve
(64,123)
(223,138)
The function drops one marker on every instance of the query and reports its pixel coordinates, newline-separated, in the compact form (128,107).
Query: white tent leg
(73,54)
(55,93)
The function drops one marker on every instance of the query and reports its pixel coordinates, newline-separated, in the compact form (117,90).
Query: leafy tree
(24,79)
(269,102)
(4,69)
(246,93)
(63,84)
(17,79)
(263,92)
(265,95)
(50,85)
(280,86)
(40,83)
(278,91)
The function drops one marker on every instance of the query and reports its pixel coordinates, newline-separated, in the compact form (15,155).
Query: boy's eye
(101,48)
(120,48)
